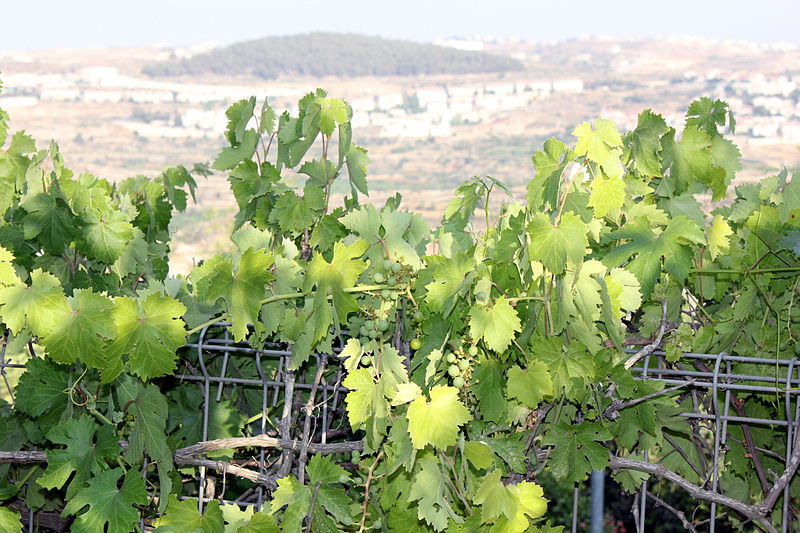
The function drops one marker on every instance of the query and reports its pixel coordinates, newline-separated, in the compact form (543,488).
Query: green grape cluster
(460,364)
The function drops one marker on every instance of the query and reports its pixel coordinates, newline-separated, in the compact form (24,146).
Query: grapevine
(473,360)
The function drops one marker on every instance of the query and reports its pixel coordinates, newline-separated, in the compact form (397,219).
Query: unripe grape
(377,277)
(365,360)
(473,351)
(387,264)
(463,365)
(383,325)
(418,316)
(344,478)
(453,371)
(396,267)
(391,281)
(451,357)
(386,294)
(458,382)
(373,333)
(369,324)
(377,524)
(416,344)
(355,456)
(364,331)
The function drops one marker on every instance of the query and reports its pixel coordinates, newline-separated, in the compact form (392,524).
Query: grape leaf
(530,385)
(645,142)
(36,306)
(691,159)
(449,283)
(183,517)
(83,330)
(479,454)
(436,421)
(241,290)
(513,505)
(229,157)
(296,498)
(105,234)
(597,144)
(49,221)
(42,387)
(718,235)
(8,276)
(10,521)
(555,245)
(357,161)
(564,364)
(150,410)
(494,324)
(488,386)
(236,517)
(239,114)
(706,114)
(149,331)
(260,523)
(111,509)
(87,448)
(607,194)
(294,214)
(432,493)
(672,245)
(580,449)
(623,291)
(367,407)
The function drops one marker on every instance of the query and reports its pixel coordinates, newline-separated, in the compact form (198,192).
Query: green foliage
(456,344)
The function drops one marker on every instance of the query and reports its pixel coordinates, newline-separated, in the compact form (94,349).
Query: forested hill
(334,54)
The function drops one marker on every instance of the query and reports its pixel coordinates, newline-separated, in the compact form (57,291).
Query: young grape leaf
(707,114)
(436,421)
(555,245)
(335,501)
(479,454)
(87,448)
(83,330)
(432,493)
(296,498)
(239,114)
(8,276)
(494,324)
(10,521)
(236,517)
(550,164)
(607,194)
(36,306)
(512,505)
(449,283)
(597,144)
(530,385)
(111,509)
(183,517)
(367,407)
(260,523)
(580,449)
(322,469)
(149,331)
(718,235)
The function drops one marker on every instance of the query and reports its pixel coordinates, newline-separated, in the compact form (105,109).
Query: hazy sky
(83,23)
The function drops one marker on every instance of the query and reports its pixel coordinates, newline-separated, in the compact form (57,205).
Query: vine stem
(744,272)
(290,296)
(366,491)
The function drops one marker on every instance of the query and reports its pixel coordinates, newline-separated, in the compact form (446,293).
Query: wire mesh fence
(304,413)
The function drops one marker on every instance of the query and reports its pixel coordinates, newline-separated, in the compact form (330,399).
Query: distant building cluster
(423,112)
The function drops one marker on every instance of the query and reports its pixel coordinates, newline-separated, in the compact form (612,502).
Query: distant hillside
(334,54)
